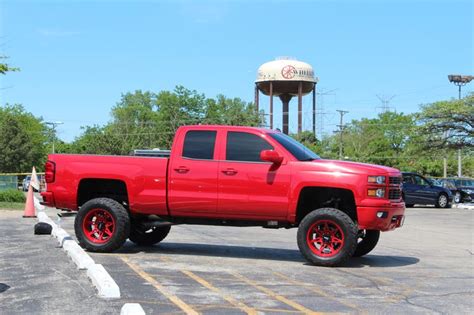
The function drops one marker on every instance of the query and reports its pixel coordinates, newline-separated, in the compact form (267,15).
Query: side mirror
(271,156)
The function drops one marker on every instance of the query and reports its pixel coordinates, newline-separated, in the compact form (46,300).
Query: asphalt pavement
(427,266)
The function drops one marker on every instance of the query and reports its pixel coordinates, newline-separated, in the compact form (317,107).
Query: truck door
(192,175)
(249,187)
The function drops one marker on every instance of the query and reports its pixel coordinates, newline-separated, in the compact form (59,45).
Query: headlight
(377,180)
(379,192)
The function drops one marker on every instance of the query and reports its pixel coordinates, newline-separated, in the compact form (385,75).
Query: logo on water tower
(288,72)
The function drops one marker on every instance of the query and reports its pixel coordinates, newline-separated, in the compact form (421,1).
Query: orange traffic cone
(30,205)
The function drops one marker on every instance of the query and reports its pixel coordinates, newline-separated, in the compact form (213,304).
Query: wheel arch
(91,188)
(315,197)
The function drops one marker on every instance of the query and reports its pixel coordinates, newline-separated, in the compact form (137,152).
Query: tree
(4,67)
(23,140)
(448,124)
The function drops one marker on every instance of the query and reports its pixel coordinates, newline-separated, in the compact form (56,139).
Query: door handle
(230,171)
(182,169)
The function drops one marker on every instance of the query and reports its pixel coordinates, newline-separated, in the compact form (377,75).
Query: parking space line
(274,295)
(173,298)
(231,300)
(317,291)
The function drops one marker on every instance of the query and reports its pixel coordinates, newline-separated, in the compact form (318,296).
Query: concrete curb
(103,282)
(106,286)
(132,309)
(77,254)
(464,206)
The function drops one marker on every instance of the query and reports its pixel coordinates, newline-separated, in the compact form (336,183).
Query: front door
(249,187)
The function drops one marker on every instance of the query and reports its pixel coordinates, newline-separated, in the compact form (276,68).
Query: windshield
(299,151)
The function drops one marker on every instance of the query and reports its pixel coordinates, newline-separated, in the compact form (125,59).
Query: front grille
(394,194)
(395,180)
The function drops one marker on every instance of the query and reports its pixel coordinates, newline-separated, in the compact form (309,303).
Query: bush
(12,195)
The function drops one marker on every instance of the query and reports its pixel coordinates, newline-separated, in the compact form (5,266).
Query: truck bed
(144,177)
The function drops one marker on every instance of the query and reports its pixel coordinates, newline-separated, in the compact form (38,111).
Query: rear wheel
(102,225)
(442,201)
(148,237)
(327,237)
(367,241)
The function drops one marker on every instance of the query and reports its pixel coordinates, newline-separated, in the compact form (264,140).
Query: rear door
(193,174)
(248,186)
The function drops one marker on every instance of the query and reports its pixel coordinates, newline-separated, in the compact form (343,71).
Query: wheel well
(102,188)
(312,198)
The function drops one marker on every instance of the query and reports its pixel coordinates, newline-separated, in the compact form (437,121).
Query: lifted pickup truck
(224,175)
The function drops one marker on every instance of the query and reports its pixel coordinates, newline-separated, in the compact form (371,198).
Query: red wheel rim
(98,226)
(325,238)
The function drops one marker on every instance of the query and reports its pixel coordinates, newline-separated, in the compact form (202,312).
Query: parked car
(464,186)
(441,182)
(419,190)
(26,183)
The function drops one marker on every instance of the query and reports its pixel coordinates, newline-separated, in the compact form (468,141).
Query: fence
(19,181)
(8,182)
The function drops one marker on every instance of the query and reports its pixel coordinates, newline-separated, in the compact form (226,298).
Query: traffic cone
(29,205)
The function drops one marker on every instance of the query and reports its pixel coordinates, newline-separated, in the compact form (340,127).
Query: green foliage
(149,120)
(23,140)
(12,195)
(4,67)
(448,124)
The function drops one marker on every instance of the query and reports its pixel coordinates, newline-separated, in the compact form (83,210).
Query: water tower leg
(314,110)
(300,107)
(285,99)
(271,105)
(256,97)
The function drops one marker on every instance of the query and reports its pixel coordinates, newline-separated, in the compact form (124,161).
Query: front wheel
(368,239)
(327,237)
(442,201)
(102,225)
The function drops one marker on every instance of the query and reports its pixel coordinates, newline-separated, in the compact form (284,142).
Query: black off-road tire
(338,221)
(148,237)
(367,243)
(115,212)
(442,201)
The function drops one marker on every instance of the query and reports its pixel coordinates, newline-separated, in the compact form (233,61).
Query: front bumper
(382,218)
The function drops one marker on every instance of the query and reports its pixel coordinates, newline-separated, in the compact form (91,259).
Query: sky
(78,57)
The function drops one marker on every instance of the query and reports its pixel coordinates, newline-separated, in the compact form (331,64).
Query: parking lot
(424,267)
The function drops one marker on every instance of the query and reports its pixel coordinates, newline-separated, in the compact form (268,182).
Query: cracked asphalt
(426,267)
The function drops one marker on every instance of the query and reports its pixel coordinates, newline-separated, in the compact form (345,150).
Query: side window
(421,181)
(199,144)
(242,146)
(407,179)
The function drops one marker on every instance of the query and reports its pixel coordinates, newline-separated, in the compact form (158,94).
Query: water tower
(285,78)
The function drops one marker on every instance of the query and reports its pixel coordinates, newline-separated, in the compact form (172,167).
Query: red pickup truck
(234,176)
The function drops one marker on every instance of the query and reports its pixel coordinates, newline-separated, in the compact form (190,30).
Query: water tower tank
(285,78)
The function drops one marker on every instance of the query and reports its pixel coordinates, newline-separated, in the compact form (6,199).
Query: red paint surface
(222,189)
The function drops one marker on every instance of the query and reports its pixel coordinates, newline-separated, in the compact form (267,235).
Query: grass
(12,205)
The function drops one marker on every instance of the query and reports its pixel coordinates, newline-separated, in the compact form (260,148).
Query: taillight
(49,171)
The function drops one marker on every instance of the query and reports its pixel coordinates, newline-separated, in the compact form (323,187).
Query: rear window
(199,144)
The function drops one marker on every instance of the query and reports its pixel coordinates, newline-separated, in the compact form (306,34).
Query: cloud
(57,32)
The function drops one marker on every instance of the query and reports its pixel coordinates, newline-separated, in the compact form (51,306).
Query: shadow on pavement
(260,253)
(3,287)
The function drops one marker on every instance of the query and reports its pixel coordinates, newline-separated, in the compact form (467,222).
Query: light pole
(459,80)
(54,124)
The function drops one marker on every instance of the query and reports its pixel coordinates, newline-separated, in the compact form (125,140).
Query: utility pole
(341,129)
(54,124)
(459,80)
